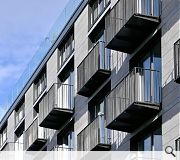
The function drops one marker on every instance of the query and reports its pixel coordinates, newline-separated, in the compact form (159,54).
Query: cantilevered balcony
(56,107)
(130,22)
(35,137)
(135,100)
(94,70)
(177,61)
(95,137)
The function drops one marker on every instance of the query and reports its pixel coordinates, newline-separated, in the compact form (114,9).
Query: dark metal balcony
(94,70)
(56,107)
(35,137)
(135,100)
(95,137)
(177,61)
(130,22)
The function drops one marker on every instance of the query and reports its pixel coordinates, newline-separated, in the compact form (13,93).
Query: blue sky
(23,26)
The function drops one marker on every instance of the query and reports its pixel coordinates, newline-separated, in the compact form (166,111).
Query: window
(97,7)
(39,85)
(66,50)
(67,140)
(96,110)
(19,113)
(177,59)
(104,53)
(149,59)
(3,136)
(178,144)
(151,141)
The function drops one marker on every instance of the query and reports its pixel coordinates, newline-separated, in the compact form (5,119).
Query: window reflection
(151,141)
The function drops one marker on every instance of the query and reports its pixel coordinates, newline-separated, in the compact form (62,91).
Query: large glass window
(97,7)
(151,141)
(66,50)
(40,85)
(3,136)
(149,7)
(96,110)
(150,80)
(66,141)
(104,53)
(19,114)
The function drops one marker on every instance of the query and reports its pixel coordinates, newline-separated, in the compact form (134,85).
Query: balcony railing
(56,107)
(13,146)
(35,137)
(130,22)
(62,152)
(95,136)
(177,61)
(94,70)
(136,99)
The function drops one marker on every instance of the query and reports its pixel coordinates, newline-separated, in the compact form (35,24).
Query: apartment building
(110,81)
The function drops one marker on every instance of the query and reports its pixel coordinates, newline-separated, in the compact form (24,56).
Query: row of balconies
(136,98)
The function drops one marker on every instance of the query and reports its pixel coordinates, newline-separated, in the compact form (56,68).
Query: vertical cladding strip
(11,127)
(52,69)
(81,51)
(29,106)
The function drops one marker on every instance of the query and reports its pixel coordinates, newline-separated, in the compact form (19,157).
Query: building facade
(111,81)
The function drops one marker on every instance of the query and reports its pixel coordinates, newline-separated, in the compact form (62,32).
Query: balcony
(62,152)
(56,107)
(13,146)
(95,137)
(135,100)
(94,70)
(177,61)
(35,137)
(129,23)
